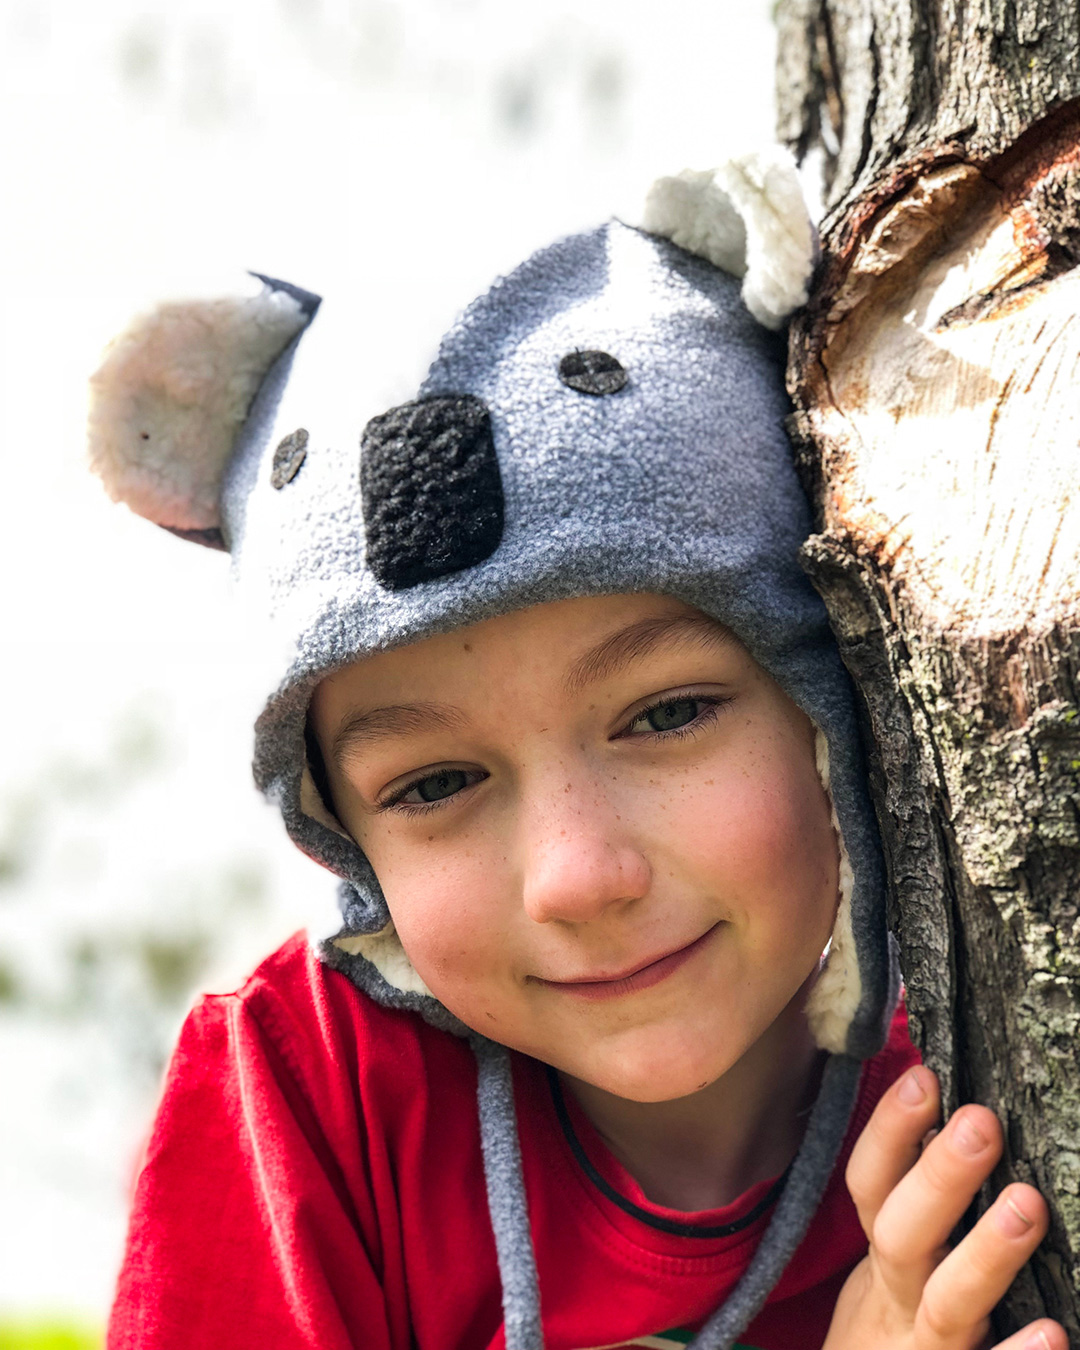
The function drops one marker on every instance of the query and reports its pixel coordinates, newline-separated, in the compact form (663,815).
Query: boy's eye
(436,786)
(669,716)
(432,788)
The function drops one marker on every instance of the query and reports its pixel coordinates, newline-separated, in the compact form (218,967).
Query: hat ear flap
(172,393)
(748,217)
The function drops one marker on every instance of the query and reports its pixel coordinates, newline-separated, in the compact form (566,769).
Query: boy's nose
(579,861)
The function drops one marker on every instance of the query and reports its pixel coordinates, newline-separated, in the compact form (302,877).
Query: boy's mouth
(631,981)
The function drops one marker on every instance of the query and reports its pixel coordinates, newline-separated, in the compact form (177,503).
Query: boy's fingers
(973,1278)
(890,1144)
(1038,1336)
(912,1227)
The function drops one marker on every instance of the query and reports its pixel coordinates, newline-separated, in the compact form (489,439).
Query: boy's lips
(630,981)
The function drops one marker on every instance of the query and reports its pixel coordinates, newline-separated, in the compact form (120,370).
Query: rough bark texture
(937,423)
(875,83)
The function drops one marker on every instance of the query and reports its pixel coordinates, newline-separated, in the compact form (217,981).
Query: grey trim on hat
(507,1202)
(367,977)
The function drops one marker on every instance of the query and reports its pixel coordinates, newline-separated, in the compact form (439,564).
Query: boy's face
(600,830)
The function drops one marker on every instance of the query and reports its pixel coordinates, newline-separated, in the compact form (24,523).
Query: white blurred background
(394,153)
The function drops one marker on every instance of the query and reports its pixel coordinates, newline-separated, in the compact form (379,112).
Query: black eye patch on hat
(430,488)
(592,372)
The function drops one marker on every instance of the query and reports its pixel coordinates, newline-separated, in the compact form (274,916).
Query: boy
(560,709)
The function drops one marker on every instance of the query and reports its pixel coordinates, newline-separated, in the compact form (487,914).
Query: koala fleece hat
(606,419)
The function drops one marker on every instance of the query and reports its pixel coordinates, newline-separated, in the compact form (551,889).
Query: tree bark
(937,426)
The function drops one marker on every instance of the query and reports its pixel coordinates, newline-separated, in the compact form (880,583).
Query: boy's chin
(653,1069)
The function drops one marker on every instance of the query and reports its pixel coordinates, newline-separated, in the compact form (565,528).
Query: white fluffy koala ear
(172,393)
(748,217)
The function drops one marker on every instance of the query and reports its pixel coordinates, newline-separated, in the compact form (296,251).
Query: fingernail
(1013,1222)
(1037,1342)
(967,1138)
(911,1091)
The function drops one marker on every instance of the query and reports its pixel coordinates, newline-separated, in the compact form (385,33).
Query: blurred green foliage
(127,968)
(138,749)
(47,1335)
(10,990)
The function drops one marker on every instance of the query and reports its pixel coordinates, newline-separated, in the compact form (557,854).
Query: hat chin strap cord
(809,1175)
(507,1203)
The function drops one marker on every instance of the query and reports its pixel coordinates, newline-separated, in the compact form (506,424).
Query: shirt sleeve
(244,1231)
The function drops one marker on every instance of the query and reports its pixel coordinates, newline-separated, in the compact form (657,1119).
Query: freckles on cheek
(766,835)
(447,916)
(435,943)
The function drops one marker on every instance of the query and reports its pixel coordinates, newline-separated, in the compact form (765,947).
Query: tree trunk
(937,424)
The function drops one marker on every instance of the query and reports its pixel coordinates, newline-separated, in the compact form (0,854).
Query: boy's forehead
(574,642)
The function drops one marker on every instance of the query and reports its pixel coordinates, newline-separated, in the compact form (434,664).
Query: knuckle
(938,1315)
(889,1243)
(858,1180)
(985,1257)
(937,1170)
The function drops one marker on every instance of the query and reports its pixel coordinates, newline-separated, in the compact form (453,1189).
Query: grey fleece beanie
(608,418)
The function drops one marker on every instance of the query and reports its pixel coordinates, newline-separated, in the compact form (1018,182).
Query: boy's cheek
(750,837)
(451,921)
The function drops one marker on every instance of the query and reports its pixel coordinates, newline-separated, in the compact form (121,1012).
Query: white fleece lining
(385,952)
(312,804)
(835,997)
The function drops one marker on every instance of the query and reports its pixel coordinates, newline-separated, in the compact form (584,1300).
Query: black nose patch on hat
(430,488)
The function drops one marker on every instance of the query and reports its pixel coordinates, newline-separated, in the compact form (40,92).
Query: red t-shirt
(314,1179)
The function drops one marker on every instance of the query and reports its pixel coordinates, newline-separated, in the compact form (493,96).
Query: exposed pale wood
(937,422)
(952,412)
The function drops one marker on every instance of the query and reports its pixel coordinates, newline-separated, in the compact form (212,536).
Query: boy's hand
(911,1292)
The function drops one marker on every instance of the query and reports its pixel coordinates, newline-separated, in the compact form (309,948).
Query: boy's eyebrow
(638,640)
(397,719)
